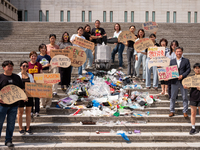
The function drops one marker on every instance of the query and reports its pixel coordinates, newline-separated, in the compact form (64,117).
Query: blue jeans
(90,56)
(141,58)
(148,75)
(11,113)
(80,70)
(118,48)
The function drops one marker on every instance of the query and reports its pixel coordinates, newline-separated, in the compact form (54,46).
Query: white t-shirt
(115,35)
(73,37)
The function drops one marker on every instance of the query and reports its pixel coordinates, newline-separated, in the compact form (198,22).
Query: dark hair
(6,63)
(196,65)
(23,63)
(42,46)
(96,21)
(62,39)
(177,44)
(139,31)
(52,35)
(165,40)
(118,25)
(132,26)
(31,53)
(152,35)
(178,47)
(79,28)
(87,25)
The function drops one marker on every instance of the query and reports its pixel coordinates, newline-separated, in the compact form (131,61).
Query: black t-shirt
(154,45)
(7,80)
(131,43)
(97,32)
(87,35)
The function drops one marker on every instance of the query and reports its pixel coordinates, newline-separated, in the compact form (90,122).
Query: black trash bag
(142,103)
(90,105)
(127,81)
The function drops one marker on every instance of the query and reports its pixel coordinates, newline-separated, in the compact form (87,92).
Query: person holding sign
(184,70)
(65,73)
(140,57)
(119,48)
(26,77)
(194,100)
(10,111)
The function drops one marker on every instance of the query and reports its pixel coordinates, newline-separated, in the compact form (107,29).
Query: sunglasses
(25,66)
(66,36)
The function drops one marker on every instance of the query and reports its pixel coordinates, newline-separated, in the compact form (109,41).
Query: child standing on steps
(194,100)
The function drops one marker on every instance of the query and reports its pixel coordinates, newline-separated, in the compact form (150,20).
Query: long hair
(62,39)
(171,50)
(138,36)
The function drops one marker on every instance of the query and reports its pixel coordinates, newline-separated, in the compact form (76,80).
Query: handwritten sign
(156,52)
(166,73)
(84,43)
(126,36)
(193,81)
(60,61)
(47,78)
(143,44)
(150,26)
(159,61)
(74,53)
(40,90)
(11,94)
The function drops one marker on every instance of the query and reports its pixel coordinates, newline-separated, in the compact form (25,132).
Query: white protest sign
(159,61)
(60,61)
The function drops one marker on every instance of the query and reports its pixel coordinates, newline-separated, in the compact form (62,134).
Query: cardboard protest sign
(47,78)
(143,44)
(64,52)
(41,90)
(166,73)
(60,61)
(11,94)
(193,81)
(156,52)
(158,61)
(126,36)
(150,26)
(84,43)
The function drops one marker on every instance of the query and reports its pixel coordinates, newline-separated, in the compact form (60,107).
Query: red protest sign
(167,73)
(156,52)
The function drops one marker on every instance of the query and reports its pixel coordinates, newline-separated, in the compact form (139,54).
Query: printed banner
(150,26)
(47,78)
(126,36)
(193,81)
(60,61)
(11,94)
(143,44)
(84,43)
(166,73)
(40,90)
(159,61)
(156,52)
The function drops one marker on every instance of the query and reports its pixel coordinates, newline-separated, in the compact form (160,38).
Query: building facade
(170,11)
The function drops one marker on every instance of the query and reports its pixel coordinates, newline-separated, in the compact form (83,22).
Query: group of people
(41,64)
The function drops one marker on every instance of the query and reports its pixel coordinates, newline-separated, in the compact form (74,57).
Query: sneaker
(193,131)
(55,94)
(89,67)
(37,114)
(32,115)
(84,71)
(47,107)
(120,68)
(22,132)
(29,132)
(9,144)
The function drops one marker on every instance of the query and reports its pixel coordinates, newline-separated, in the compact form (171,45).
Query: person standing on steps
(9,78)
(52,45)
(65,73)
(26,77)
(194,100)
(183,65)
(119,48)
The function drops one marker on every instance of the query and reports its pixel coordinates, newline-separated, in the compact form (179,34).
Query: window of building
(153,16)
(132,16)
(174,17)
(90,16)
(40,15)
(189,17)
(83,16)
(1,1)
(25,15)
(19,12)
(168,16)
(61,16)
(68,16)
(47,16)
(147,16)
(125,16)
(104,16)
(111,16)
(195,17)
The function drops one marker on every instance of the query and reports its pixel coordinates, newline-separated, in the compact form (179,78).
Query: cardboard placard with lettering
(193,81)
(159,61)
(41,90)
(156,52)
(150,26)
(166,73)
(60,61)
(84,43)
(143,44)
(126,36)
(47,78)
(11,94)
(64,52)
